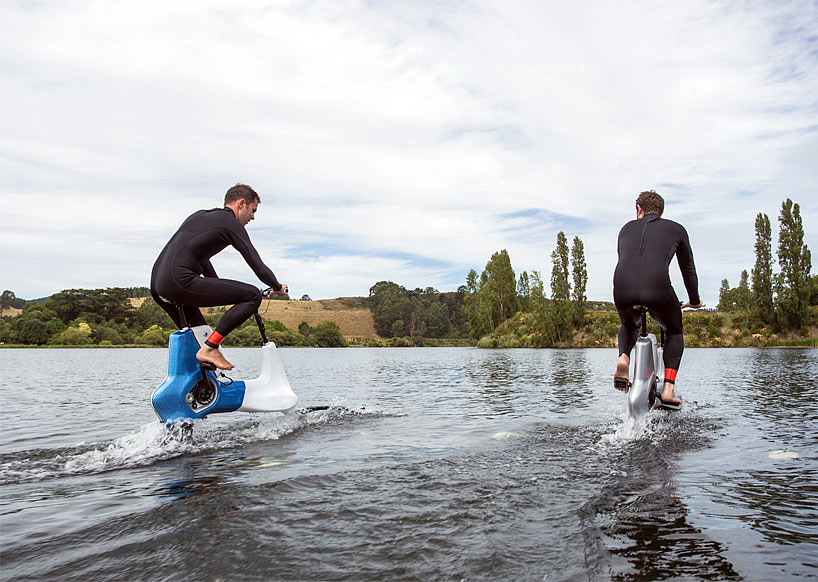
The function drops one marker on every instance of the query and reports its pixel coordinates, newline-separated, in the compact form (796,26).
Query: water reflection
(651,533)
(781,379)
(496,370)
(646,524)
(570,381)
(782,505)
(556,379)
(183,488)
(192,478)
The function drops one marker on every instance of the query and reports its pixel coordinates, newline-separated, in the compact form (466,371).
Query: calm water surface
(442,464)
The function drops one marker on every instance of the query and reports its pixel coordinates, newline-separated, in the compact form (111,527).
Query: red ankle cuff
(215,339)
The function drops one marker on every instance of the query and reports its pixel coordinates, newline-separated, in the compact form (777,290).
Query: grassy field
(350,313)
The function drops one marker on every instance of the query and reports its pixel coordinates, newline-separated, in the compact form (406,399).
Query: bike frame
(648,372)
(193,389)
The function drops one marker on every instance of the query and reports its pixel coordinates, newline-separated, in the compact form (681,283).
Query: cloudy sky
(398,140)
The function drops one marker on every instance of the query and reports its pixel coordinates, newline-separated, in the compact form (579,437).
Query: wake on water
(155,442)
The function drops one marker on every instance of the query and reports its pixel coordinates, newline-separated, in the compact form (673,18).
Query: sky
(399,141)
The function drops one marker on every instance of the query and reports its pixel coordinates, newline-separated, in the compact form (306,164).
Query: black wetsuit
(183,274)
(645,249)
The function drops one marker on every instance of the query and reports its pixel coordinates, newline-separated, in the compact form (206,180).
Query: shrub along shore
(703,329)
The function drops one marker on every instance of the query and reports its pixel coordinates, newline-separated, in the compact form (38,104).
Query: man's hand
(688,304)
(268,292)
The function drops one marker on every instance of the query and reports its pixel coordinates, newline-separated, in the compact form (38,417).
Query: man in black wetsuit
(646,246)
(184,277)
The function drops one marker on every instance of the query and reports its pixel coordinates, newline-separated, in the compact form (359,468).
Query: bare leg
(669,395)
(213,356)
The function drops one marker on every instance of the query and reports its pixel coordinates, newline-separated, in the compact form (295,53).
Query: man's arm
(684,254)
(241,242)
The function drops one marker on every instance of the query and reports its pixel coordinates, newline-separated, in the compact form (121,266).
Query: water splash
(153,442)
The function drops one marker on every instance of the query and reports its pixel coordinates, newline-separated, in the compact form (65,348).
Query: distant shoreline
(384,347)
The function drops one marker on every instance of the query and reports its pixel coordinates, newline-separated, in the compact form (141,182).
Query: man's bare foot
(669,395)
(622,366)
(622,374)
(213,356)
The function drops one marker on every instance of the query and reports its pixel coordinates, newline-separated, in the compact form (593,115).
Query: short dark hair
(651,202)
(241,192)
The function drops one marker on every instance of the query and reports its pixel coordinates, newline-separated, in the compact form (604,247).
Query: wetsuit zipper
(648,218)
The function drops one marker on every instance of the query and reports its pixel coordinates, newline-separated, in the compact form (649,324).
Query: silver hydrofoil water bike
(648,372)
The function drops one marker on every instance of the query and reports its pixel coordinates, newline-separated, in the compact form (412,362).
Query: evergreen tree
(477,327)
(742,295)
(725,297)
(561,289)
(524,292)
(793,282)
(579,272)
(762,273)
(539,306)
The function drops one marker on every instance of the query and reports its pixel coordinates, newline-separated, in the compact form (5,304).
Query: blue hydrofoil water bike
(193,389)
(648,372)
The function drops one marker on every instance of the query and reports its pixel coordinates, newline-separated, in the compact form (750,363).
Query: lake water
(448,463)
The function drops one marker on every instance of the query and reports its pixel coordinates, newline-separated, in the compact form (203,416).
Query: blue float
(193,390)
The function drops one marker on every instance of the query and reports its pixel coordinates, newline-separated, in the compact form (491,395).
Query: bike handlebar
(269,291)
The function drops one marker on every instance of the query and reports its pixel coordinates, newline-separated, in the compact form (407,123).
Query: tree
(477,326)
(437,320)
(107,333)
(793,282)
(499,289)
(524,292)
(725,297)
(76,335)
(398,328)
(561,289)
(389,302)
(327,334)
(813,290)
(417,322)
(762,273)
(493,298)
(742,295)
(6,299)
(539,306)
(154,336)
(456,308)
(149,313)
(579,272)
(93,304)
(33,331)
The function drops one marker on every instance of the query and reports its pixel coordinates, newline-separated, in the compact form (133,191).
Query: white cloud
(397,141)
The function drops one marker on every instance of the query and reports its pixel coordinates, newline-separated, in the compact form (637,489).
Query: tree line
(76,317)
(780,299)
(400,312)
(497,295)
